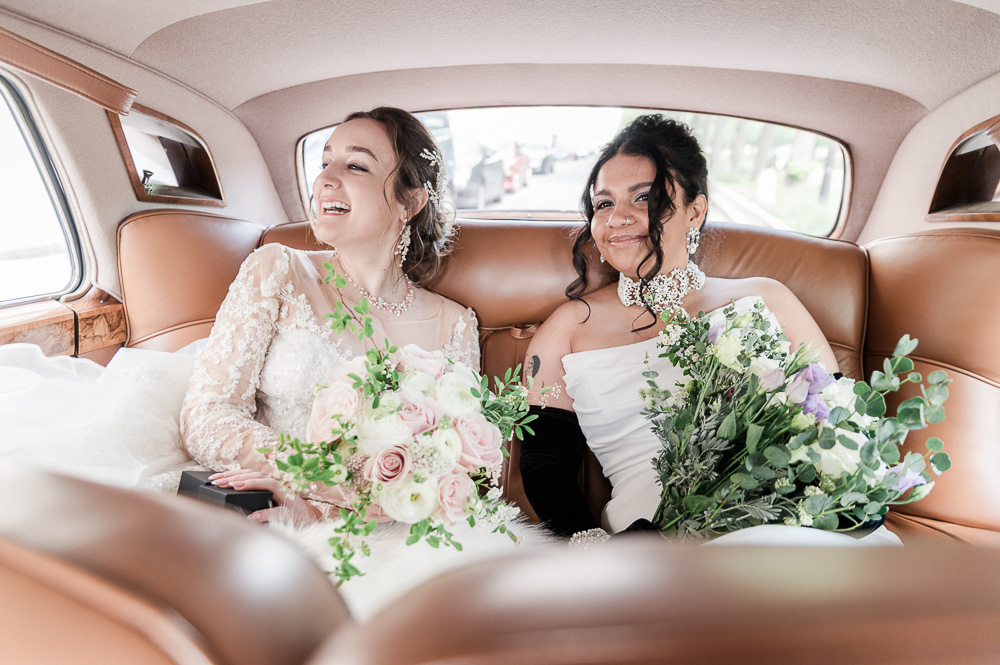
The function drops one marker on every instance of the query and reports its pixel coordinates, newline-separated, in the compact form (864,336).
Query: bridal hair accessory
(693,238)
(589,538)
(403,246)
(395,308)
(663,292)
(435,192)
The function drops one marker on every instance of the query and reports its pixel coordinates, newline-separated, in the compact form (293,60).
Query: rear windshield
(533,162)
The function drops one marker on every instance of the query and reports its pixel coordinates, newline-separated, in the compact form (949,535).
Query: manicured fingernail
(214,476)
(239,483)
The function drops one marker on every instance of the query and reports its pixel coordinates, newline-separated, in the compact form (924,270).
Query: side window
(39,252)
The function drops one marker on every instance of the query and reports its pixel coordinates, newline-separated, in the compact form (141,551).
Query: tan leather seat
(95,575)
(642,600)
(941,288)
(175,268)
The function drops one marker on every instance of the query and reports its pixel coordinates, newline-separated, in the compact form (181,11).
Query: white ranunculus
(388,402)
(454,392)
(418,382)
(378,430)
(841,393)
(410,501)
(447,443)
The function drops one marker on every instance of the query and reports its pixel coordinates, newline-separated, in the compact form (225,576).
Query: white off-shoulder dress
(604,385)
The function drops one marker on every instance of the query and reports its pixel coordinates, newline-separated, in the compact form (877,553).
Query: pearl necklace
(395,308)
(663,292)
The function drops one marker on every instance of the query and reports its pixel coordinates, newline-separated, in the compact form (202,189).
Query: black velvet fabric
(550,468)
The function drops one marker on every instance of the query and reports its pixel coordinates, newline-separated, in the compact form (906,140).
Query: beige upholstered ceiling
(235,50)
(863,71)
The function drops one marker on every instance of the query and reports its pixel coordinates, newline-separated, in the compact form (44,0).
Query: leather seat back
(176,267)
(940,287)
(95,574)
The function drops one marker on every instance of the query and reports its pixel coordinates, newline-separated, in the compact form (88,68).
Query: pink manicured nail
(214,476)
(239,483)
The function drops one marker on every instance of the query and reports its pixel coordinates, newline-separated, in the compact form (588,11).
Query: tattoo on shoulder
(533,366)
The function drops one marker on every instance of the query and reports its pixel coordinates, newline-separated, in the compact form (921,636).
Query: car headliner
(862,71)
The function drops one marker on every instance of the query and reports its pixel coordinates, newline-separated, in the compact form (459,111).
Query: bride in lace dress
(270,345)
(646,201)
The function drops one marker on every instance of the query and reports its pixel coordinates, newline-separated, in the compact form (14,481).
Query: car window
(39,254)
(535,160)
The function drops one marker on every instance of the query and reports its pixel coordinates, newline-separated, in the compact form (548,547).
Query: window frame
(53,183)
(208,199)
(835,232)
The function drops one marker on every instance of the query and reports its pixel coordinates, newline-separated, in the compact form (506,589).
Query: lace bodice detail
(604,385)
(270,347)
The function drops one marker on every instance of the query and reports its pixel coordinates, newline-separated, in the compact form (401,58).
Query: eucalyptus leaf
(937,377)
(825,522)
(754,432)
(777,456)
(905,346)
(698,504)
(817,503)
(935,445)
(940,462)
(934,414)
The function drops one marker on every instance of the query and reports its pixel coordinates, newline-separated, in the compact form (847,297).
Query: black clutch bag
(196,484)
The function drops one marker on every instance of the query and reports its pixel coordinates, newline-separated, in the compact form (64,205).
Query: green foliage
(734,454)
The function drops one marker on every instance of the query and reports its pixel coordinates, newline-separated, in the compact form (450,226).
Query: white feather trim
(394,567)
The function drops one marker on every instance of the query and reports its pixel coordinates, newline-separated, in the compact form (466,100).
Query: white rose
(841,393)
(342,372)
(454,392)
(378,430)
(836,460)
(447,443)
(418,382)
(388,402)
(762,365)
(409,501)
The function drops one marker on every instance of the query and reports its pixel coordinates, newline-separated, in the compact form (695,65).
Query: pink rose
(418,412)
(412,357)
(388,465)
(355,365)
(338,399)
(481,441)
(455,490)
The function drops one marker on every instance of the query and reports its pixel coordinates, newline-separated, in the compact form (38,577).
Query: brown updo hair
(431,228)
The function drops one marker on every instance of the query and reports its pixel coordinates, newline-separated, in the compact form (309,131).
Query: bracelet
(589,538)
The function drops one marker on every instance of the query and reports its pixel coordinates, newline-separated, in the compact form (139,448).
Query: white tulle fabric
(604,385)
(115,425)
(269,348)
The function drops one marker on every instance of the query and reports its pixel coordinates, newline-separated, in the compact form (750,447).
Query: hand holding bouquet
(755,435)
(409,434)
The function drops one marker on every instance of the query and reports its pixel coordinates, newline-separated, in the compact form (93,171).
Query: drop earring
(403,246)
(603,260)
(693,238)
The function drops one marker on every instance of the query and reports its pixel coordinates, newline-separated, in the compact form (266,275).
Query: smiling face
(356,206)
(620,225)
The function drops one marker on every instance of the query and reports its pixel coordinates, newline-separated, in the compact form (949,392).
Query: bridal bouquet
(755,435)
(409,434)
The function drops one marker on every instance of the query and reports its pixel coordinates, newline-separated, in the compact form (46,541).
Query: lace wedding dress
(270,347)
(604,385)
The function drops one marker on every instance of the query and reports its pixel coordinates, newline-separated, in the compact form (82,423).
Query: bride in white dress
(270,345)
(646,201)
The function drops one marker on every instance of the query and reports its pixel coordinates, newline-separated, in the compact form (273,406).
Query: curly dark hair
(432,227)
(680,165)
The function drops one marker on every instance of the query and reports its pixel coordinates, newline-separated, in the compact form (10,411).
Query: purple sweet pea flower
(808,381)
(908,480)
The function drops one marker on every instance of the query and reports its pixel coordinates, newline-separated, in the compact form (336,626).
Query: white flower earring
(693,238)
(403,246)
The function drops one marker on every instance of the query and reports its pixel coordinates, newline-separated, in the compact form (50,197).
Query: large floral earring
(403,246)
(693,238)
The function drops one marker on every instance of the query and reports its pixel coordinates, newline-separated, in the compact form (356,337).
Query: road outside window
(504,161)
(36,249)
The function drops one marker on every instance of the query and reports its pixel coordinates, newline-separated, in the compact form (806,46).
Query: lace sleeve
(217,419)
(463,346)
